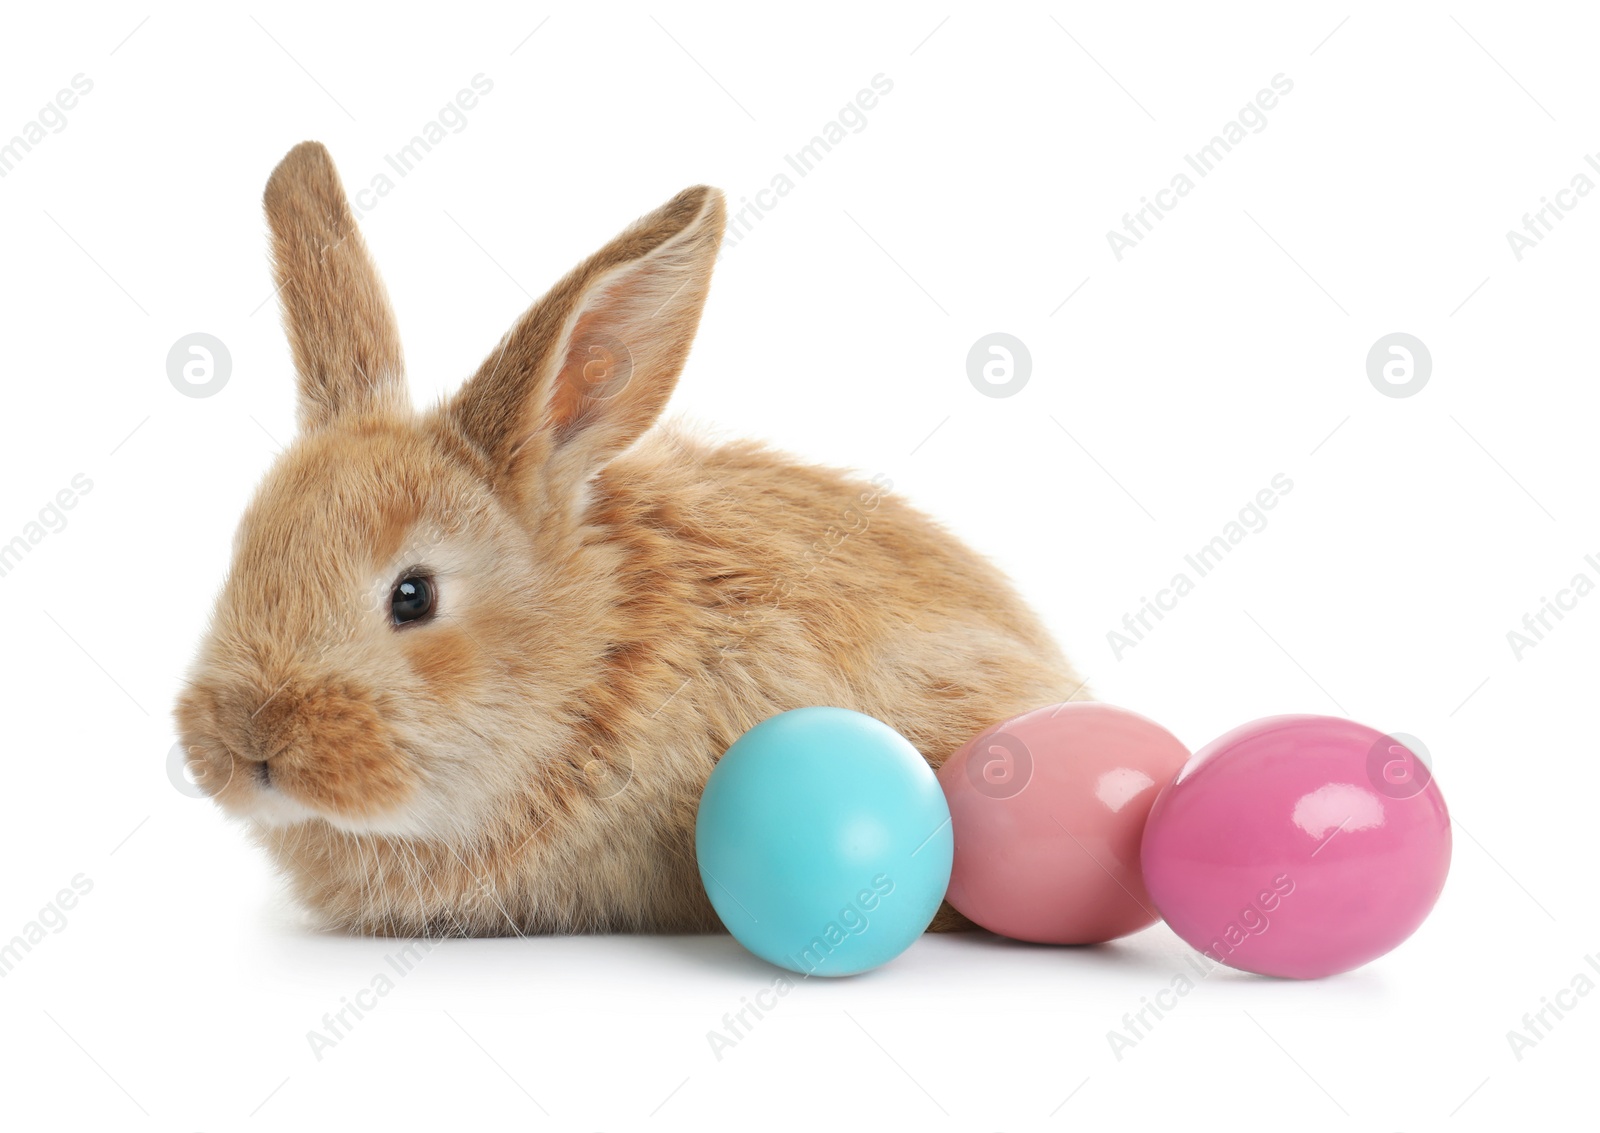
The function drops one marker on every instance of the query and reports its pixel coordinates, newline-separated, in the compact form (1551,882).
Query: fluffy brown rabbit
(472,666)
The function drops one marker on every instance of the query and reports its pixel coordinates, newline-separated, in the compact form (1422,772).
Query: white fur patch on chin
(271,809)
(275,809)
(282,811)
(398,825)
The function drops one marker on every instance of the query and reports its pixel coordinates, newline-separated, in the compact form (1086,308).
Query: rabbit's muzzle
(324,747)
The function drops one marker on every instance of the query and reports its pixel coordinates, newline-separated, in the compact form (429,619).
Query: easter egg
(823,840)
(1048,810)
(1298,846)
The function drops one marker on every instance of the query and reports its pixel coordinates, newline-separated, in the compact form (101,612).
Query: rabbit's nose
(263,727)
(266,746)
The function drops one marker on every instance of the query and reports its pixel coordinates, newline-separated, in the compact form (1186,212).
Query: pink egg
(1047,809)
(1298,846)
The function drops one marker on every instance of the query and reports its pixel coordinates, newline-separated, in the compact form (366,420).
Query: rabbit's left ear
(589,367)
(342,332)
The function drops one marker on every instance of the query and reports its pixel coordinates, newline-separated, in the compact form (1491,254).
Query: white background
(1228,347)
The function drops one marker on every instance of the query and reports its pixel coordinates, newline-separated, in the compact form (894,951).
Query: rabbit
(471,667)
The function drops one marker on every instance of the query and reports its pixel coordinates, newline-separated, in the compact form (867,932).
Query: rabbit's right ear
(342,332)
(588,368)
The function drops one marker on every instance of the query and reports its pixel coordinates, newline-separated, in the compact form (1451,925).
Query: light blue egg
(824,841)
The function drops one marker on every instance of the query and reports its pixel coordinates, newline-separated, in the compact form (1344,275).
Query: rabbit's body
(728,584)
(471,668)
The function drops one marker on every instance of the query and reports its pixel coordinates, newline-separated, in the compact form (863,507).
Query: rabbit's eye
(412,600)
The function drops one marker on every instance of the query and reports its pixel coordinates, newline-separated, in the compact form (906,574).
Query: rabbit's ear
(589,367)
(346,347)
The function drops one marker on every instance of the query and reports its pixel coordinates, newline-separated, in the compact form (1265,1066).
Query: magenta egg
(1047,810)
(1298,846)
